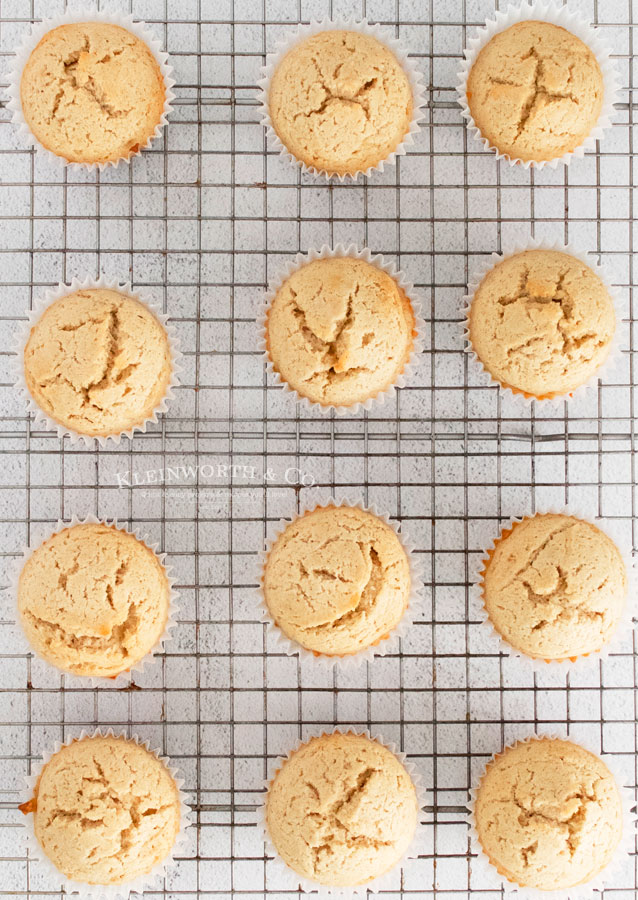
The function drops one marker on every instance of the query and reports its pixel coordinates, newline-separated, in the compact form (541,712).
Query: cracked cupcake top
(92,92)
(339,331)
(98,362)
(542,323)
(342,810)
(340,101)
(93,600)
(548,814)
(106,810)
(337,580)
(555,587)
(535,91)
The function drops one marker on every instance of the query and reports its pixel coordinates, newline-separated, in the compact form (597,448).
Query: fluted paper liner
(343,24)
(340,251)
(110,17)
(386,644)
(605,879)
(551,402)
(625,624)
(43,419)
(382,882)
(562,16)
(97,891)
(124,678)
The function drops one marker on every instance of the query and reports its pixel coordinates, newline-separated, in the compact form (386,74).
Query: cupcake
(554,587)
(106,811)
(337,581)
(541,323)
(340,331)
(548,815)
(535,91)
(92,92)
(93,600)
(340,102)
(342,810)
(98,362)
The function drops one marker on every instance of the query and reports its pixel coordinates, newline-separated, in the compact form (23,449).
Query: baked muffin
(535,91)
(340,331)
(555,587)
(92,92)
(337,580)
(548,814)
(106,810)
(342,810)
(340,101)
(93,600)
(541,323)
(98,362)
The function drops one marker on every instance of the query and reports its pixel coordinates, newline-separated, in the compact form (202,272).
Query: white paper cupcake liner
(284,644)
(381,883)
(608,368)
(543,11)
(96,891)
(123,678)
(625,624)
(486,872)
(42,419)
(415,78)
(35,35)
(341,251)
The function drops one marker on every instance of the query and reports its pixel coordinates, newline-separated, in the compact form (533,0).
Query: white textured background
(201,222)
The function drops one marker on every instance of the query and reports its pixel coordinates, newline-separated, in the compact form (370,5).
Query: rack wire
(202,221)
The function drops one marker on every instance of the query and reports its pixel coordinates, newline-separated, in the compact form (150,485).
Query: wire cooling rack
(201,222)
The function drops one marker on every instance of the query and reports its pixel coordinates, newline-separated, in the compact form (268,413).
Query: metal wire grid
(202,221)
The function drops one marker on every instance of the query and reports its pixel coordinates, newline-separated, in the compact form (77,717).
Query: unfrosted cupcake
(98,362)
(535,91)
(342,810)
(340,331)
(548,815)
(92,92)
(541,323)
(340,102)
(337,581)
(93,600)
(106,811)
(555,587)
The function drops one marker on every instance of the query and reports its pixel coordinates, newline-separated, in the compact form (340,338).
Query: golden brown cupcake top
(339,331)
(535,91)
(92,92)
(98,362)
(337,580)
(542,323)
(93,600)
(548,814)
(340,101)
(555,587)
(342,810)
(106,810)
